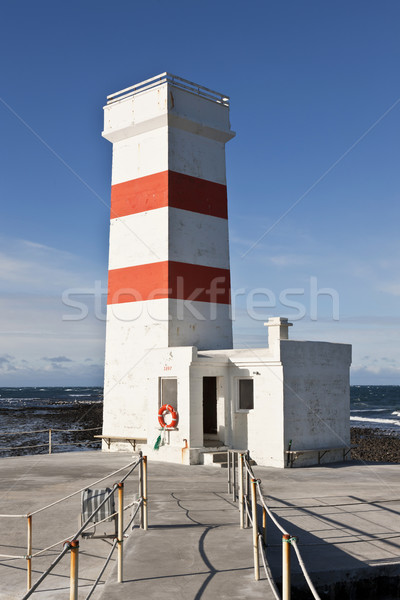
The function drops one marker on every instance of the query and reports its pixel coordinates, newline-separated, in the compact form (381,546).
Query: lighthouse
(169,327)
(169,274)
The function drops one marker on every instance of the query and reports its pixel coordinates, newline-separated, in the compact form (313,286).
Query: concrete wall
(301,392)
(316,397)
(169,233)
(261,429)
(132,404)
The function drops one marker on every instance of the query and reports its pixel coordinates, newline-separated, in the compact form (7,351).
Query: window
(246,394)
(169,392)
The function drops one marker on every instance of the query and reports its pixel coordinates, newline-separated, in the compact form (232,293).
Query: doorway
(210,407)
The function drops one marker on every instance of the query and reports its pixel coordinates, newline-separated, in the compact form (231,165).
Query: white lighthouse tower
(169,277)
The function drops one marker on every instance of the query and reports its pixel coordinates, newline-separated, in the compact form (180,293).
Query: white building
(169,332)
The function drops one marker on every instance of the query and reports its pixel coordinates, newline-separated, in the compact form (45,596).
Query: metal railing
(246,488)
(50,442)
(71,544)
(179,82)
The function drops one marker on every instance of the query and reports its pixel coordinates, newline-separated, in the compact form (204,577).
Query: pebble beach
(376,445)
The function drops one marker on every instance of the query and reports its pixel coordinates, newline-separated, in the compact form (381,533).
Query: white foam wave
(366,420)
(396,413)
(359,410)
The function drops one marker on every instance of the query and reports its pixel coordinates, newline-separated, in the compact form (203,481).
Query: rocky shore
(73,428)
(375,445)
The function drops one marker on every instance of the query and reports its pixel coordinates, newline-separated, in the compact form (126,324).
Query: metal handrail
(259,536)
(44,430)
(71,543)
(175,80)
(50,442)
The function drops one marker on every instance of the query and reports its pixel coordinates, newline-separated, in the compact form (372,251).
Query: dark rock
(375,445)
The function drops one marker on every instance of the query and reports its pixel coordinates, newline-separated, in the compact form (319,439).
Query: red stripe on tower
(169,279)
(169,188)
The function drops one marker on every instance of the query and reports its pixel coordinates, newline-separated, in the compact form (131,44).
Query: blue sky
(315,102)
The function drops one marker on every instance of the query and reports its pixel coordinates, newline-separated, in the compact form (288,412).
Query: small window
(246,394)
(169,392)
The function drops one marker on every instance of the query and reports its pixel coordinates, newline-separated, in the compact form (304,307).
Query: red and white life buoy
(167,408)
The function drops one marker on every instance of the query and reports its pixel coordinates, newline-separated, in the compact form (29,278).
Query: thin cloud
(6,363)
(391,288)
(43,371)
(57,359)
(28,267)
(288,260)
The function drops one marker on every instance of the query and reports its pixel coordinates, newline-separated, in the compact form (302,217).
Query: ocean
(27,414)
(376,407)
(74,415)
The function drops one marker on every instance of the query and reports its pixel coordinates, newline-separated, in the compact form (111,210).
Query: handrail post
(49,441)
(255,529)
(286,567)
(144,499)
(234,476)
(229,472)
(28,554)
(120,538)
(247,476)
(141,488)
(73,589)
(264,524)
(241,502)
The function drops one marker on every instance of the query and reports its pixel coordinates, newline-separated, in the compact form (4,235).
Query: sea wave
(359,410)
(382,421)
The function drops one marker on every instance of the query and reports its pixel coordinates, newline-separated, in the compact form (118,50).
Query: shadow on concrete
(207,563)
(335,572)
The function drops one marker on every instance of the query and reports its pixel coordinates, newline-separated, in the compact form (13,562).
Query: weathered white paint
(165,322)
(139,239)
(210,117)
(195,155)
(166,104)
(317,391)
(301,393)
(168,234)
(168,148)
(139,156)
(136,114)
(150,135)
(198,239)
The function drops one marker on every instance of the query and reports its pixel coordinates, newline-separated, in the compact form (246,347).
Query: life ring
(168,408)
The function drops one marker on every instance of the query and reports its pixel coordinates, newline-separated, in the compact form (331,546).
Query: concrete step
(216,458)
(213,443)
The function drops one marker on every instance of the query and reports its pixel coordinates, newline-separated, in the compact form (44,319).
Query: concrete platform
(346,517)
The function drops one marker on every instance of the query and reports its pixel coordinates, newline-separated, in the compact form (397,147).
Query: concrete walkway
(194,547)
(346,517)
(31,482)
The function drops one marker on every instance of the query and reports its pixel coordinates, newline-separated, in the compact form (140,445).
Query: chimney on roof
(278,329)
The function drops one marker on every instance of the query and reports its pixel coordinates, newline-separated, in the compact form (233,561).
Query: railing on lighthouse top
(179,82)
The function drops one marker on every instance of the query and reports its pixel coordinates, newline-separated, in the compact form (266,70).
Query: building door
(210,405)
